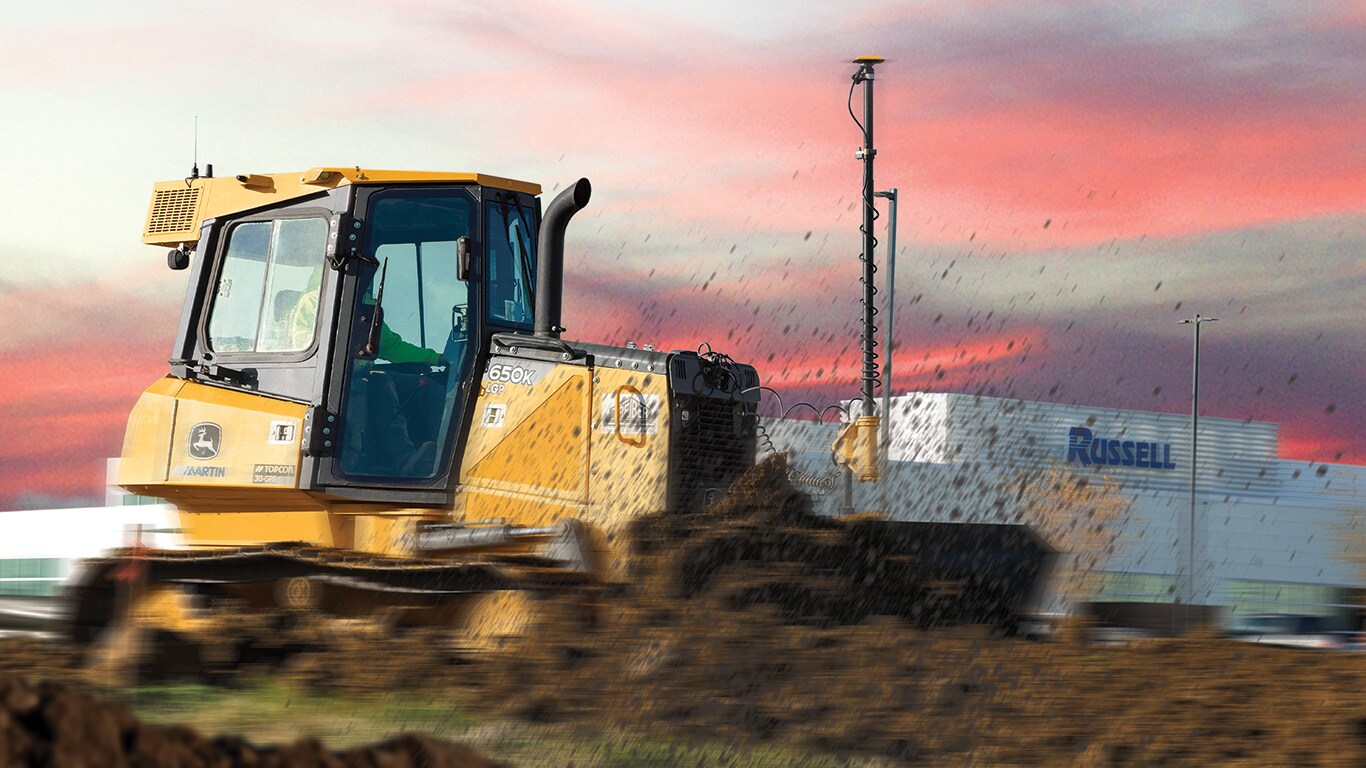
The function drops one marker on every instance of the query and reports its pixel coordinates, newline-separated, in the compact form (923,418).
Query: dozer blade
(761,543)
(945,573)
(841,572)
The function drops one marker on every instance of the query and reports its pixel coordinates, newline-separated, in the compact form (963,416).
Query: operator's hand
(442,362)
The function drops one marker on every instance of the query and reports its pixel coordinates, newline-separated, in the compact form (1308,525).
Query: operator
(305,314)
(392,346)
(382,437)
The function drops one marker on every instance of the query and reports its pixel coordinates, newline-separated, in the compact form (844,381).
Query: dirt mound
(743,549)
(946,696)
(760,544)
(49,724)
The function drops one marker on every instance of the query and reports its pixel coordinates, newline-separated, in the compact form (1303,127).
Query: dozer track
(292,575)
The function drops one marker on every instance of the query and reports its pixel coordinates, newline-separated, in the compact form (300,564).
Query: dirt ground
(730,632)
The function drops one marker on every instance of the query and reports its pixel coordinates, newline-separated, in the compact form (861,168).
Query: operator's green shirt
(392,347)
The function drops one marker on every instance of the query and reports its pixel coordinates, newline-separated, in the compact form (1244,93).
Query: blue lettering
(1083,447)
(1078,440)
(183,471)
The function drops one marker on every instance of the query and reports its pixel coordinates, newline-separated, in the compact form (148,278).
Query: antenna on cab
(194,169)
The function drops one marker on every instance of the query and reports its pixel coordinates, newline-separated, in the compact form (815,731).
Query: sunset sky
(1074,178)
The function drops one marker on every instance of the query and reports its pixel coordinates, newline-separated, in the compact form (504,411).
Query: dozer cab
(370,408)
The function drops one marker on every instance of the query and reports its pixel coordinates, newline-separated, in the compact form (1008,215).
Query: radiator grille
(715,451)
(173,210)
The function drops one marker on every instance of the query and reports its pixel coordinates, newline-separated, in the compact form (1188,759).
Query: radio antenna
(194,169)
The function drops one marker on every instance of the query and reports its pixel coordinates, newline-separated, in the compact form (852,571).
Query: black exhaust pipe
(550,258)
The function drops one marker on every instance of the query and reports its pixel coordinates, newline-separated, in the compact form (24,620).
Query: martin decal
(639,413)
(198,471)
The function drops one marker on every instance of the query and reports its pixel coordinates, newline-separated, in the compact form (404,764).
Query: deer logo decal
(205,440)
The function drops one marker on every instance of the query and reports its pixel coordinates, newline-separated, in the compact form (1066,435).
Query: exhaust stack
(550,256)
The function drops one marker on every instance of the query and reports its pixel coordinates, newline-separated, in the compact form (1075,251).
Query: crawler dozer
(371,411)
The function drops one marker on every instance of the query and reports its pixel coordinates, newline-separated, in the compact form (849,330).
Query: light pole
(888,302)
(1195,424)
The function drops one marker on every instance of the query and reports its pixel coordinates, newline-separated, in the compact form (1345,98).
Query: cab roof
(178,207)
(335,177)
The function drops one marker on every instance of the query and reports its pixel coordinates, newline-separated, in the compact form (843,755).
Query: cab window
(266,297)
(510,263)
(422,298)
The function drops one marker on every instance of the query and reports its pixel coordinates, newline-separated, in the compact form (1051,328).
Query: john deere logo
(205,439)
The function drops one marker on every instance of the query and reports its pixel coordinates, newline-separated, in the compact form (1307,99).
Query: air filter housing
(174,215)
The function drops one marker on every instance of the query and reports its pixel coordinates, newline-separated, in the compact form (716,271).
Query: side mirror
(464,247)
(178,258)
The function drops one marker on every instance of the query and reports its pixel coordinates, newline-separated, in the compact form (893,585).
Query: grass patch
(270,713)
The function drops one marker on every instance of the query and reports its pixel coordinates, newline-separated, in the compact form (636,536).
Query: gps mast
(857,445)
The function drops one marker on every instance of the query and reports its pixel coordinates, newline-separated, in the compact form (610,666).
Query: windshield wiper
(524,234)
(372,341)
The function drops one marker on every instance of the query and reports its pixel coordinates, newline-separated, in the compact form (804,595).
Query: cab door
(406,347)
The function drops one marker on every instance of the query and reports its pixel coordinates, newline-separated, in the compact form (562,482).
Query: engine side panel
(528,437)
(630,445)
(545,444)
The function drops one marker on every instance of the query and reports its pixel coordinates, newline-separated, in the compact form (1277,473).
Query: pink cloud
(1097,134)
(75,358)
(64,411)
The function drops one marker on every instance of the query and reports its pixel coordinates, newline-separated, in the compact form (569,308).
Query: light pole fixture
(1195,423)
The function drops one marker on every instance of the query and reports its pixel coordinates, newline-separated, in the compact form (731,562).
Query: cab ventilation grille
(173,210)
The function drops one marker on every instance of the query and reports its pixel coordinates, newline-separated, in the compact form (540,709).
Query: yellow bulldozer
(370,410)
(370,404)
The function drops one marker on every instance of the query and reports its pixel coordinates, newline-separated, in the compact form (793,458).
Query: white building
(1267,531)
(41,548)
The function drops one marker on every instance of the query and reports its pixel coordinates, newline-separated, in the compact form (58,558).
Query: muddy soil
(741,623)
(38,659)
